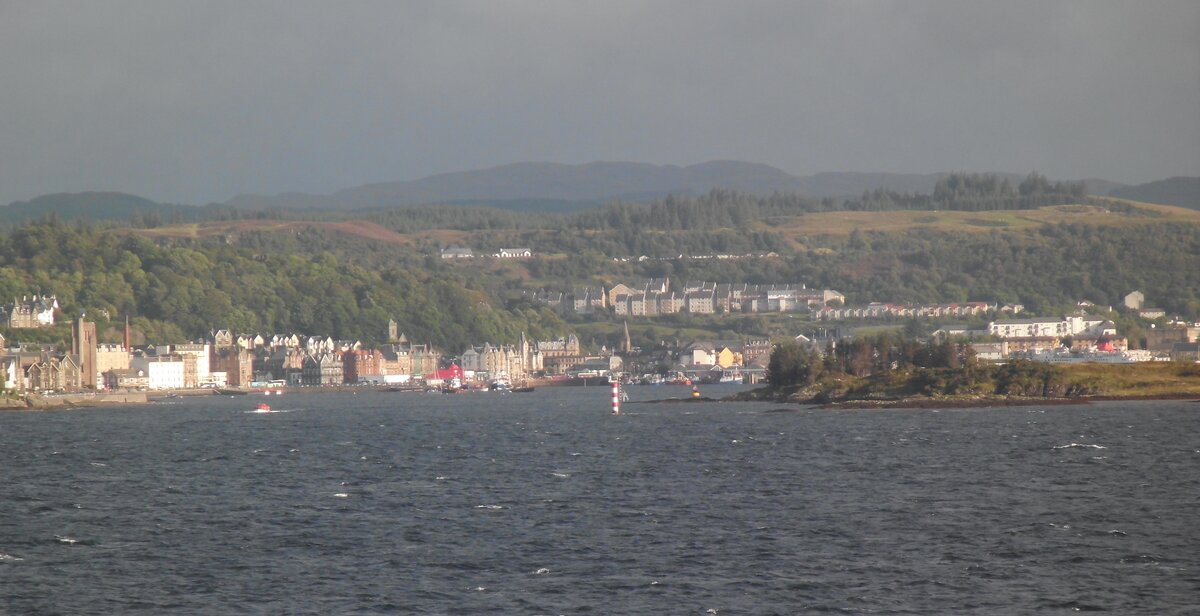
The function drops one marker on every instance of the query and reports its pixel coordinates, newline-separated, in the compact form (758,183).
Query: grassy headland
(976,384)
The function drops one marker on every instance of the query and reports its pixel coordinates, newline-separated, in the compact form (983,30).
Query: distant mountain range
(100,206)
(1181,191)
(593,183)
(555,187)
(558,186)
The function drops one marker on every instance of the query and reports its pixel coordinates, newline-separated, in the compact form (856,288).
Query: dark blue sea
(544,503)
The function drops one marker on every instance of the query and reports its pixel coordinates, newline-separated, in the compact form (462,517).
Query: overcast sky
(195,102)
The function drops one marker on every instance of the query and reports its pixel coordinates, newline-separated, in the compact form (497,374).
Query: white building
(1049,327)
(162,372)
(193,376)
(457,253)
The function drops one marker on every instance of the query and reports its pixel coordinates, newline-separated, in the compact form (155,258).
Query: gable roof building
(30,312)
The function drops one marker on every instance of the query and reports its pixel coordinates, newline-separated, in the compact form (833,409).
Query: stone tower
(83,346)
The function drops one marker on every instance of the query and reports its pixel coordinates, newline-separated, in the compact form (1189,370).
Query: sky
(196,102)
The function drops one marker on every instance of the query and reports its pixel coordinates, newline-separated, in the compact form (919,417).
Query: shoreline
(964,403)
(38,402)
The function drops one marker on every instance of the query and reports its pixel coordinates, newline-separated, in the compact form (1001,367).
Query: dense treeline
(975,193)
(323,281)
(720,221)
(894,366)
(723,221)
(1047,269)
(727,209)
(177,292)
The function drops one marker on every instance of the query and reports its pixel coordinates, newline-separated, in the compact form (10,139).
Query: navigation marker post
(616,397)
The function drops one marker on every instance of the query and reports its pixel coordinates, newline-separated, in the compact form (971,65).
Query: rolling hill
(93,206)
(548,188)
(1181,191)
(574,187)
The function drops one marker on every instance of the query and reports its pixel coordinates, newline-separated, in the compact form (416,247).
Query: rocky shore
(944,402)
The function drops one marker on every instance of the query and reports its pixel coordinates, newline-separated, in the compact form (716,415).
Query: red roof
(454,371)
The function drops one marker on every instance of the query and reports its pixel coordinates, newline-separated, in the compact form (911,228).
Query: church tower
(83,346)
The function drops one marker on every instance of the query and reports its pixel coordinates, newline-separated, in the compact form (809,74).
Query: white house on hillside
(1050,327)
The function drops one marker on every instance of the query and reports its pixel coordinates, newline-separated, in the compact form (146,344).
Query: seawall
(52,401)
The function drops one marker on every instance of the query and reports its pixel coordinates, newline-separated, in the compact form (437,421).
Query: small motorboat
(262,408)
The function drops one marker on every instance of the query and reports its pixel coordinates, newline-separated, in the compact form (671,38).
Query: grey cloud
(197,102)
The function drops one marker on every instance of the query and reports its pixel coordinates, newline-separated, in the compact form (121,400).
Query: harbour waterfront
(545,503)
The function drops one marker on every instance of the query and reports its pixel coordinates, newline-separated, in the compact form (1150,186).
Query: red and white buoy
(616,397)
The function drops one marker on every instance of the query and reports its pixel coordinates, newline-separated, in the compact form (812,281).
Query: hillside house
(457,253)
(700,302)
(620,289)
(1051,327)
(30,312)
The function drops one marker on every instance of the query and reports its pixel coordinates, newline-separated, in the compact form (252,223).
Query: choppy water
(542,503)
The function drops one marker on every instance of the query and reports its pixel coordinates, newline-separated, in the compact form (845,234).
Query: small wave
(9,558)
(98,464)
(493,507)
(542,571)
(561,475)
(1080,446)
(341,495)
(65,540)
